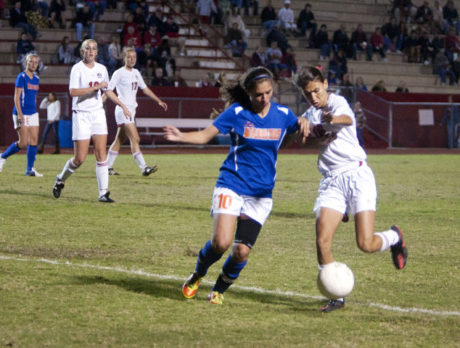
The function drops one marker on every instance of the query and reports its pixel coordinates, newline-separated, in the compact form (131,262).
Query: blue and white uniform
(248,173)
(27,99)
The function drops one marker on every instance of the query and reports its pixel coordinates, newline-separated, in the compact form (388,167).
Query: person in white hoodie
(53,114)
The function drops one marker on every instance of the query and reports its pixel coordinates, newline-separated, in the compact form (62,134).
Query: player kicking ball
(348,184)
(127,80)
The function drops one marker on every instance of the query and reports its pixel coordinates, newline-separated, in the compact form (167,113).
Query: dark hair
(237,92)
(307,75)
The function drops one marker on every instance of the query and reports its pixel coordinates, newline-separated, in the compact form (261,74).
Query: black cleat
(57,188)
(332,305)
(345,217)
(149,170)
(113,172)
(105,198)
(399,250)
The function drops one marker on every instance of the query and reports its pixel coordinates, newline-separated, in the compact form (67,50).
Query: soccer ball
(335,280)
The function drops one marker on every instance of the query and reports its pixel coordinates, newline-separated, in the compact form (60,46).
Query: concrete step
(53,70)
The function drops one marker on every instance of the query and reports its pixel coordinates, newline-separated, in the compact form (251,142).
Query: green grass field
(78,273)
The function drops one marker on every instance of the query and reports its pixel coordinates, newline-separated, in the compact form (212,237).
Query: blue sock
(11,150)
(230,272)
(31,154)
(206,258)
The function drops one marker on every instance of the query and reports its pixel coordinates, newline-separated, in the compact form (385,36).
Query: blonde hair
(84,45)
(127,49)
(29,56)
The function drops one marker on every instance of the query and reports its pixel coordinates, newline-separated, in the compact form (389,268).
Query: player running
(127,80)
(87,78)
(347,184)
(25,115)
(242,198)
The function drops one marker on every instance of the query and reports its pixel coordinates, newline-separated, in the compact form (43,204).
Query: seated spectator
(403,10)
(456,68)
(84,20)
(102,51)
(402,87)
(206,81)
(247,4)
(163,57)
(340,41)
(156,19)
(359,42)
(438,20)
(65,52)
(451,44)
(274,56)
(57,13)
(115,57)
(307,25)
(234,17)
(178,80)
(205,8)
(346,88)
(338,63)
(153,37)
(139,19)
(412,47)
(450,16)
(170,28)
(41,6)
(235,41)
(377,44)
(129,23)
(321,41)
(288,60)
(332,78)
(259,58)
(427,49)
(158,79)
(391,37)
(268,16)
(145,60)
(19,20)
(379,86)
(286,19)
(216,17)
(134,37)
(277,36)
(97,8)
(23,46)
(359,84)
(443,69)
(424,15)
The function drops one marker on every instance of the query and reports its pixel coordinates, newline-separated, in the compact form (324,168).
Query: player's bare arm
(199,137)
(113,97)
(148,92)
(17,103)
(343,120)
(78,92)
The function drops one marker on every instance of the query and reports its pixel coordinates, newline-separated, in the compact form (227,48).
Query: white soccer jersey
(127,83)
(345,149)
(83,77)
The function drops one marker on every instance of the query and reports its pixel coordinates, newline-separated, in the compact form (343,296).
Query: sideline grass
(159,223)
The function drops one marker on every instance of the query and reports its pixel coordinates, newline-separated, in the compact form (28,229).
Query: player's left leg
(32,151)
(134,139)
(102,169)
(114,149)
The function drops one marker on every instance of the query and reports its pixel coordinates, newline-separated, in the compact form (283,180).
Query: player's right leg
(17,145)
(114,149)
(134,139)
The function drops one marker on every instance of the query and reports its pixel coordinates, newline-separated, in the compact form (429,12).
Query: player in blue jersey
(242,198)
(25,115)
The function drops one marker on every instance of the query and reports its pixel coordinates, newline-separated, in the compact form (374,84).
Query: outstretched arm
(113,97)
(147,91)
(199,137)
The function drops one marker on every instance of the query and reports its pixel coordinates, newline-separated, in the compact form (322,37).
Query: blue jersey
(250,167)
(29,93)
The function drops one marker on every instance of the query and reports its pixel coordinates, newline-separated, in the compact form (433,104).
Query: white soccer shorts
(29,121)
(352,191)
(226,201)
(120,117)
(88,123)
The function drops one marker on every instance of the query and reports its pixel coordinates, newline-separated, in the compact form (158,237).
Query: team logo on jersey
(262,133)
(99,75)
(31,86)
(249,124)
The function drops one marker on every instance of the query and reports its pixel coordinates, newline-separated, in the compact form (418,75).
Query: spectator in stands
(57,13)
(134,37)
(84,20)
(41,6)
(286,19)
(158,79)
(129,23)
(140,19)
(170,28)
(424,16)
(156,19)
(268,16)
(102,51)
(289,61)
(115,58)
(338,64)
(23,46)
(438,18)
(359,84)
(274,56)
(402,87)
(235,41)
(361,121)
(379,86)
(403,33)
(450,16)
(443,69)
(451,44)
(259,58)
(377,44)
(205,8)
(277,36)
(97,8)
(216,17)
(153,37)
(332,78)
(322,42)
(178,80)
(412,47)
(427,49)
(163,57)
(65,52)
(207,81)
(234,17)
(403,10)
(359,42)
(346,88)
(340,41)
(145,60)
(456,68)
(307,25)
(391,37)
(19,20)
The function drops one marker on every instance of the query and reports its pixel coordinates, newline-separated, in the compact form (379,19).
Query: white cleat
(33,172)
(2,162)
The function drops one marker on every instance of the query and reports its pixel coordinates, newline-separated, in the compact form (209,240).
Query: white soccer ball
(335,280)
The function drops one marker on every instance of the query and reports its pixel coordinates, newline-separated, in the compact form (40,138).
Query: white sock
(389,238)
(102,175)
(111,157)
(68,170)
(139,159)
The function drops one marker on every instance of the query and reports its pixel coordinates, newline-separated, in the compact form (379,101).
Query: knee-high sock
(111,157)
(102,175)
(389,238)
(11,150)
(230,271)
(31,154)
(139,159)
(206,258)
(68,170)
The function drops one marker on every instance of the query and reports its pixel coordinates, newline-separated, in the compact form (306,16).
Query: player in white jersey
(87,79)
(127,80)
(347,184)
